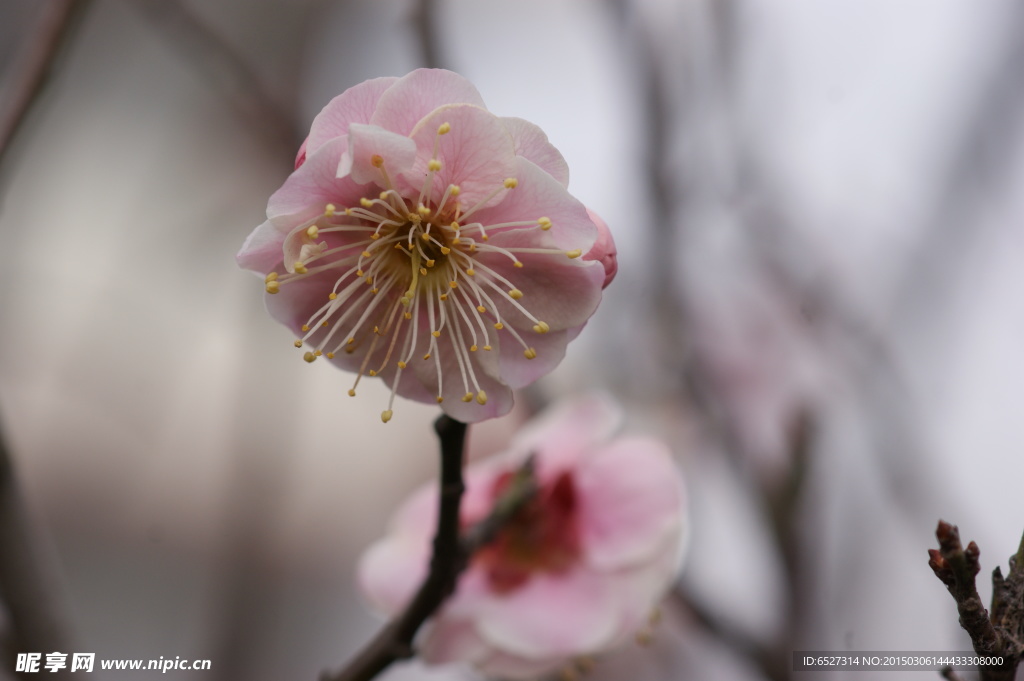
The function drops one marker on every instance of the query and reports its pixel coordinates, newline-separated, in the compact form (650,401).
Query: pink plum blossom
(423,240)
(576,572)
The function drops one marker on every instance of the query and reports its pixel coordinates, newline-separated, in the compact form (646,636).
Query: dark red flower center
(541,537)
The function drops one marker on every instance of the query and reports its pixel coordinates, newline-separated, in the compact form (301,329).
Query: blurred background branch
(34,66)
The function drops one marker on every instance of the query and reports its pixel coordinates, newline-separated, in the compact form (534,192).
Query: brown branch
(424,22)
(450,556)
(34,66)
(773,663)
(26,580)
(1000,635)
(221,64)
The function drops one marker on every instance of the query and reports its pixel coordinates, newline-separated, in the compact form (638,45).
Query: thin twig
(34,66)
(772,664)
(424,21)
(394,641)
(226,69)
(26,581)
(996,636)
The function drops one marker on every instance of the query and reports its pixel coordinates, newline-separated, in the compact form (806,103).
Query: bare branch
(34,66)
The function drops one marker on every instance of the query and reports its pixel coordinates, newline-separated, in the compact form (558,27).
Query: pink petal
(390,572)
(540,195)
(300,157)
(310,188)
(366,141)
(503,666)
(532,144)
(477,154)
(418,93)
(604,250)
(630,496)
(354,105)
(561,291)
(449,639)
(517,371)
(563,433)
(261,251)
(552,615)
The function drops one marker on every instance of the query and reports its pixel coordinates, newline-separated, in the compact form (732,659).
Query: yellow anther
(541,327)
(443,296)
(402,365)
(426,356)
(472,348)
(297,343)
(372,372)
(456,241)
(367,254)
(454,190)
(398,246)
(515,294)
(499,326)
(329,210)
(511,183)
(470,272)
(377,161)
(445,250)
(481,309)
(386,415)
(435,334)
(324,324)
(430,262)
(454,225)
(423,271)
(300,268)
(545,223)
(423,210)
(434,165)
(313,232)
(453,284)
(365,202)
(407,315)
(375,290)
(360,273)
(271,277)
(305,327)
(574,254)
(487,348)
(318,353)
(332,296)
(369,279)
(481,397)
(382,196)
(472,248)
(468,397)
(273,287)
(444,129)
(350,341)
(376,329)
(330,355)
(375,236)
(309,356)
(530,353)
(440,399)
(517,264)
(351,392)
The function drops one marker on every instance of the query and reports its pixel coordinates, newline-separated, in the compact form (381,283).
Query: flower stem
(394,641)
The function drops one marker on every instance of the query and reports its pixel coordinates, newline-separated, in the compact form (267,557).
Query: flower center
(409,278)
(542,537)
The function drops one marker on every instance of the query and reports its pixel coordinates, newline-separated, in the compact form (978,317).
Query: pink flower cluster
(428,242)
(576,572)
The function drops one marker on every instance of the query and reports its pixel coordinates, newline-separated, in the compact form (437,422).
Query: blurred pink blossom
(426,241)
(579,570)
